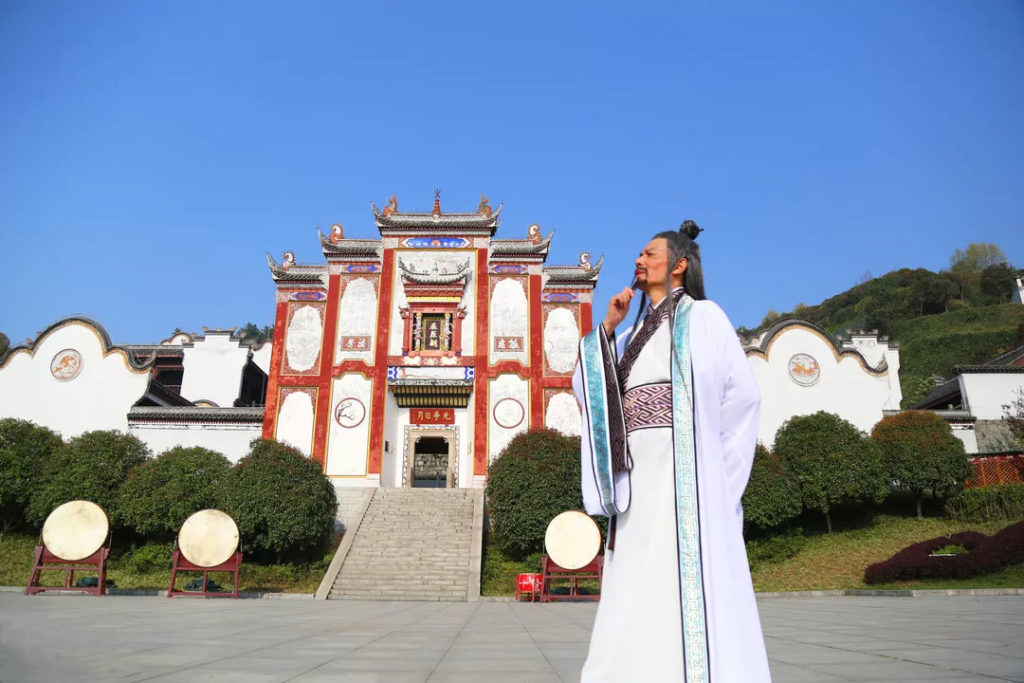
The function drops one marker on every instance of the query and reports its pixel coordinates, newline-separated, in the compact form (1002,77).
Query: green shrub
(152,557)
(160,494)
(772,495)
(921,454)
(91,466)
(283,503)
(534,479)
(833,462)
(775,548)
(988,503)
(25,448)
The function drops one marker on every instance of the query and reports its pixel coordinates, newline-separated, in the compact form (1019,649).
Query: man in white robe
(677,602)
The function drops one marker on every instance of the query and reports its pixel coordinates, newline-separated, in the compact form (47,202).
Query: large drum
(75,530)
(572,540)
(208,538)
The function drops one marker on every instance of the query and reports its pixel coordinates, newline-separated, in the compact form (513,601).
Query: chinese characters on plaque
(355,343)
(433,332)
(432,416)
(508,344)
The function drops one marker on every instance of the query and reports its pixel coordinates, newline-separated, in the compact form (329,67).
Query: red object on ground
(47,561)
(528,584)
(552,571)
(181,563)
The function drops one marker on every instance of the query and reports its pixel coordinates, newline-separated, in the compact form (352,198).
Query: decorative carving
(287,260)
(66,365)
(534,233)
(350,412)
(585,261)
(484,207)
(804,370)
(337,233)
(392,206)
(437,204)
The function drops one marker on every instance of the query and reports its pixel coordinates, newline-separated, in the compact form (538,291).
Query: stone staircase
(413,544)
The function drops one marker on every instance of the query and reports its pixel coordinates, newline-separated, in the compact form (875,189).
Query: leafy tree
(1013,413)
(280,499)
(966,265)
(930,292)
(5,345)
(998,283)
(770,318)
(160,494)
(921,454)
(25,448)
(772,495)
(833,462)
(258,334)
(534,479)
(91,466)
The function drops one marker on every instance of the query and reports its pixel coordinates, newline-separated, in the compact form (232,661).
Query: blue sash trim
(596,404)
(691,580)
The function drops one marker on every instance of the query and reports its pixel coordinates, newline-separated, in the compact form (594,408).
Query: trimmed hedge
(833,462)
(987,503)
(772,495)
(921,455)
(534,479)
(985,554)
(25,449)
(160,494)
(281,500)
(91,466)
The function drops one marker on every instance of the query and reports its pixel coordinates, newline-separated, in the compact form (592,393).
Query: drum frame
(551,571)
(181,563)
(47,561)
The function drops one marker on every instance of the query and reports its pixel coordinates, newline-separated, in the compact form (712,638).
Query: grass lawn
(824,561)
(17,550)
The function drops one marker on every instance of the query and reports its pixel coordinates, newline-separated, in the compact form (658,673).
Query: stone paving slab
(83,638)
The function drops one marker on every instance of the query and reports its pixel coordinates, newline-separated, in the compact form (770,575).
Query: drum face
(208,538)
(572,540)
(75,530)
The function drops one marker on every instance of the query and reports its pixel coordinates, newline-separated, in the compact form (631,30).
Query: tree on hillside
(930,292)
(5,344)
(966,265)
(997,283)
(832,461)
(921,454)
(258,334)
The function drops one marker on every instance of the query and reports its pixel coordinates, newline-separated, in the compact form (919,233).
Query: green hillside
(938,319)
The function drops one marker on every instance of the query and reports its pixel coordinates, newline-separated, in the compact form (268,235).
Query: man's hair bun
(690,229)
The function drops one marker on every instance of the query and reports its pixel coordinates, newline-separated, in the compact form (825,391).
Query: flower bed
(985,554)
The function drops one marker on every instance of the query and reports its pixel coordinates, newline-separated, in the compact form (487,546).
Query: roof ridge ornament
(392,206)
(337,233)
(484,207)
(437,204)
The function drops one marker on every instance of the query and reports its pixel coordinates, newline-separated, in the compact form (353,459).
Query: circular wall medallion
(804,370)
(66,365)
(509,413)
(350,412)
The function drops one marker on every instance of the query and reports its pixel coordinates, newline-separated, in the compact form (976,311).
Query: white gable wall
(98,397)
(213,369)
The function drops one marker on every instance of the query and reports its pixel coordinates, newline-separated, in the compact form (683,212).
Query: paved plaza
(119,638)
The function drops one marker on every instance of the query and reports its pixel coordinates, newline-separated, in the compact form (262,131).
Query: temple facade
(413,359)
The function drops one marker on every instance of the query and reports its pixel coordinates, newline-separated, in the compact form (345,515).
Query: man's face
(652,264)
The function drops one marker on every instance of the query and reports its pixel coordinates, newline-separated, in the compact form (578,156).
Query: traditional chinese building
(413,359)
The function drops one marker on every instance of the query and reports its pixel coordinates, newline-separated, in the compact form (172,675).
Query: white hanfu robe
(638,632)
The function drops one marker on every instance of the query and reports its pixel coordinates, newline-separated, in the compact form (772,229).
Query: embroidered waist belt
(647,406)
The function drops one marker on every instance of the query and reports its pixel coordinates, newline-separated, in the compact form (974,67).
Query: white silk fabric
(637,634)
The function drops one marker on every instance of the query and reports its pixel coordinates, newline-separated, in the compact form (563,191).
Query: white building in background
(801,370)
(190,390)
(972,402)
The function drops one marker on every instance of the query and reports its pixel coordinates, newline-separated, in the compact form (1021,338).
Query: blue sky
(152,153)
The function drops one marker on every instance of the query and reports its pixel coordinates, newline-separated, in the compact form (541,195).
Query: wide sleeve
(588,475)
(740,401)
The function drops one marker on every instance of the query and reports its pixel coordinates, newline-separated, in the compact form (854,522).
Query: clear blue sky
(151,153)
